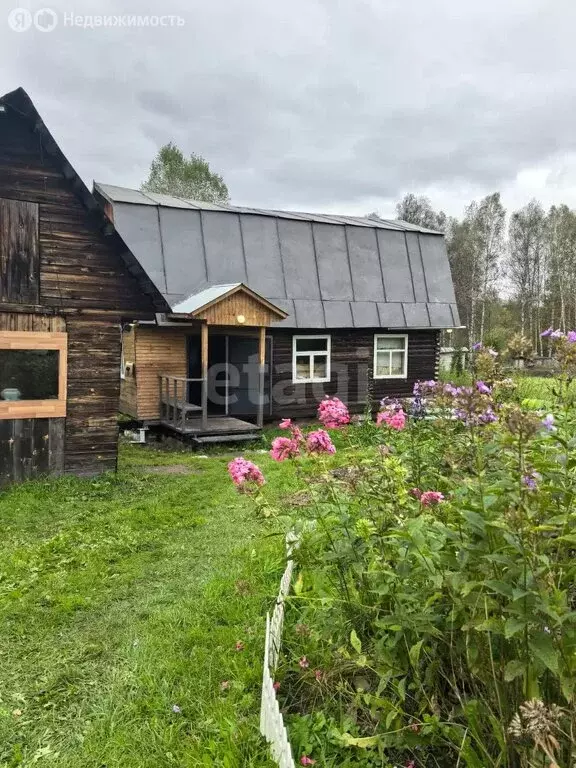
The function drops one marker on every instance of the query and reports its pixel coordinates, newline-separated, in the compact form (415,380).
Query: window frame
(404,374)
(31,340)
(328,353)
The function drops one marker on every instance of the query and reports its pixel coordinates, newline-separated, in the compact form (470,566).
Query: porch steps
(223,438)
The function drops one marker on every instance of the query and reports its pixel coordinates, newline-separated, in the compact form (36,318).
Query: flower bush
(433,621)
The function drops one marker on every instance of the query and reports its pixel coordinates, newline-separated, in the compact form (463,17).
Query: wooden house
(67,284)
(271,310)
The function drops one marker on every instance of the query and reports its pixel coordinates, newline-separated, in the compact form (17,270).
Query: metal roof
(200,299)
(325,271)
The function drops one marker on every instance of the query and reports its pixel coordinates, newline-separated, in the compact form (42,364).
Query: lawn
(122,601)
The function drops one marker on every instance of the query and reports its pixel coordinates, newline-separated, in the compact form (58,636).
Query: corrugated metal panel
(391,315)
(416,268)
(183,250)
(437,269)
(365,264)
(298,259)
(395,266)
(338,314)
(223,246)
(365,314)
(263,260)
(440,315)
(309,314)
(332,260)
(123,194)
(138,227)
(416,315)
(455,315)
(288,306)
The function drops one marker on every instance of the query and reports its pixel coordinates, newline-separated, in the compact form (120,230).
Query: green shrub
(439,629)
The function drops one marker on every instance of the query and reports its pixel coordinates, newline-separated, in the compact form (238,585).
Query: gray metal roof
(325,271)
(200,299)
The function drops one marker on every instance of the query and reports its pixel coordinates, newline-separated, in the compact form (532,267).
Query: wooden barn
(270,311)
(67,284)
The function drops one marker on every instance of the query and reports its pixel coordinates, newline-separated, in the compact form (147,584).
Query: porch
(195,421)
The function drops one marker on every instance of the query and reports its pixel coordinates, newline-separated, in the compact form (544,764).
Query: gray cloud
(324,104)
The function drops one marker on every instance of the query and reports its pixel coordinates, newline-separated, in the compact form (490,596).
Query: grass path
(121,603)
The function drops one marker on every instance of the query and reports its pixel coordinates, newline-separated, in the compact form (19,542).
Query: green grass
(123,596)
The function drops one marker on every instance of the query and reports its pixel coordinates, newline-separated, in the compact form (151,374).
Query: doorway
(233,379)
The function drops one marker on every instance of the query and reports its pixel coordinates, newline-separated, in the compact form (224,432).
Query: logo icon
(19,19)
(45,20)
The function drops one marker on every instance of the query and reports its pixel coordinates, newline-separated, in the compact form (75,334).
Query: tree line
(513,274)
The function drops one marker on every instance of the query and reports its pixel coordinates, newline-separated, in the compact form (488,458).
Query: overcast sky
(324,105)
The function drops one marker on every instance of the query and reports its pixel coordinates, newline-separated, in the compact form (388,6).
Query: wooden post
(204,332)
(261,366)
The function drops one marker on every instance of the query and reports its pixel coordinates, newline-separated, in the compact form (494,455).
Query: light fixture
(241,319)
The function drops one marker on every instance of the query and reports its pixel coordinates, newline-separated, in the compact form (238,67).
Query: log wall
(352,357)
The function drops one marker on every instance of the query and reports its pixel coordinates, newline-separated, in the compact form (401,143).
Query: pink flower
(319,442)
(304,760)
(276,687)
(318,674)
(284,448)
(285,424)
(303,662)
(239,645)
(393,419)
(244,472)
(410,764)
(333,413)
(430,498)
(416,492)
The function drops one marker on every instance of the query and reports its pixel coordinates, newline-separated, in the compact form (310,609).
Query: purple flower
(530,480)
(477,346)
(546,333)
(483,388)
(557,334)
(571,337)
(548,423)
(487,417)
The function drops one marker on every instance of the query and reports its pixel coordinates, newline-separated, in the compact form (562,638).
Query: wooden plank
(56,431)
(261,369)
(19,252)
(204,345)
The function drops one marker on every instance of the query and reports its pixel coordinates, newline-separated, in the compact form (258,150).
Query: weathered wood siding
(29,448)
(158,351)
(79,268)
(59,261)
(19,257)
(352,357)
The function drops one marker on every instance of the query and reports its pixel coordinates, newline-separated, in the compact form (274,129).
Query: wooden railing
(174,405)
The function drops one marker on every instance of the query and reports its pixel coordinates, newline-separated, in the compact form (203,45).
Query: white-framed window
(310,358)
(390,356)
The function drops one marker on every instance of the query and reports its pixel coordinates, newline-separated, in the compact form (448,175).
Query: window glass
(311,358)
(311,345)
(29,374)
(320,366)
(389,342)
(390,356)
(303,367)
